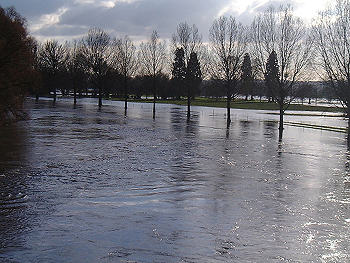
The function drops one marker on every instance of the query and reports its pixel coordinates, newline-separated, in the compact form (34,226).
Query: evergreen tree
(193,79)
(272,75)
(179,71)
(247,76)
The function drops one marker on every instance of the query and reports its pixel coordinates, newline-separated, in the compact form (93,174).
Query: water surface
(91,185)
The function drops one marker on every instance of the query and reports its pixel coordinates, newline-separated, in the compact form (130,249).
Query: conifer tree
(247,76)
(193,79)
(272,74)
(179,71)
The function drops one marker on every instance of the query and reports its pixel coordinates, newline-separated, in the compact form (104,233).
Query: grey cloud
(62,30)
(137,18)
(34,8)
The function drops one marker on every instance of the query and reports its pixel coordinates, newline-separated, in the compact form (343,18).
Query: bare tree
(17,74)
(152,58)
(228,41)
(332,42)
(76,66)
(206,59)
(52,57)
(96,51)
(280,32)
(125,61)
(188,38)
(36,66)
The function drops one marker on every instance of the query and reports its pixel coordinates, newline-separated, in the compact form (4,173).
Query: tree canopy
(247,76)
(193,75)
(16,64)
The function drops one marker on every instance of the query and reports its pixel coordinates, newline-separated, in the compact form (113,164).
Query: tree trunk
(154,97)
(154,108)
(188,107)
(54,95)
(188,102)
(75,95)
(348,115)
(100,96)
(280,128)
(228,110)
(228,104)
(126,95)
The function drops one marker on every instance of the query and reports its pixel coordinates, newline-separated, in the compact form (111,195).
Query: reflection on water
(89,181)
(13,187)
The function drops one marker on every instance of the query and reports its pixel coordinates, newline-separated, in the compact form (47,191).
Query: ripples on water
(90,185)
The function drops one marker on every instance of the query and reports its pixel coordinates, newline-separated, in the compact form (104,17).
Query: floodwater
(90,185)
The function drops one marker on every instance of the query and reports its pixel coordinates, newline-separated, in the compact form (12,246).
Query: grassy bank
(241,104)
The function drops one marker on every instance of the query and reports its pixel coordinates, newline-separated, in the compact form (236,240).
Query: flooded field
(90,185)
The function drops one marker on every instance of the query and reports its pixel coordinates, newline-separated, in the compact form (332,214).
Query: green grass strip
(239,104)
(317,127)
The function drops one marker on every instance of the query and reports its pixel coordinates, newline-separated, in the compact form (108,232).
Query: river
(92,185)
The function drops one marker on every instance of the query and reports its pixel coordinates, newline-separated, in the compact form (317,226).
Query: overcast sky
(69,19)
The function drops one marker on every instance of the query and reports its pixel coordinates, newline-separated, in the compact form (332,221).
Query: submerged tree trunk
(154,98)
(154,107)
(126,95)
(348,115)
(228,102)
(228,110)
(228,106)
(54,95)
(280,128)
(100,96)
(188,102)
(188,107)
(75,95)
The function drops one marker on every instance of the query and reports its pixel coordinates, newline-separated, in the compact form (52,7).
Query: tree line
(274,57)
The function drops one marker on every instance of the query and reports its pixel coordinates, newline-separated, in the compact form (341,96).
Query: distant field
(242,104)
